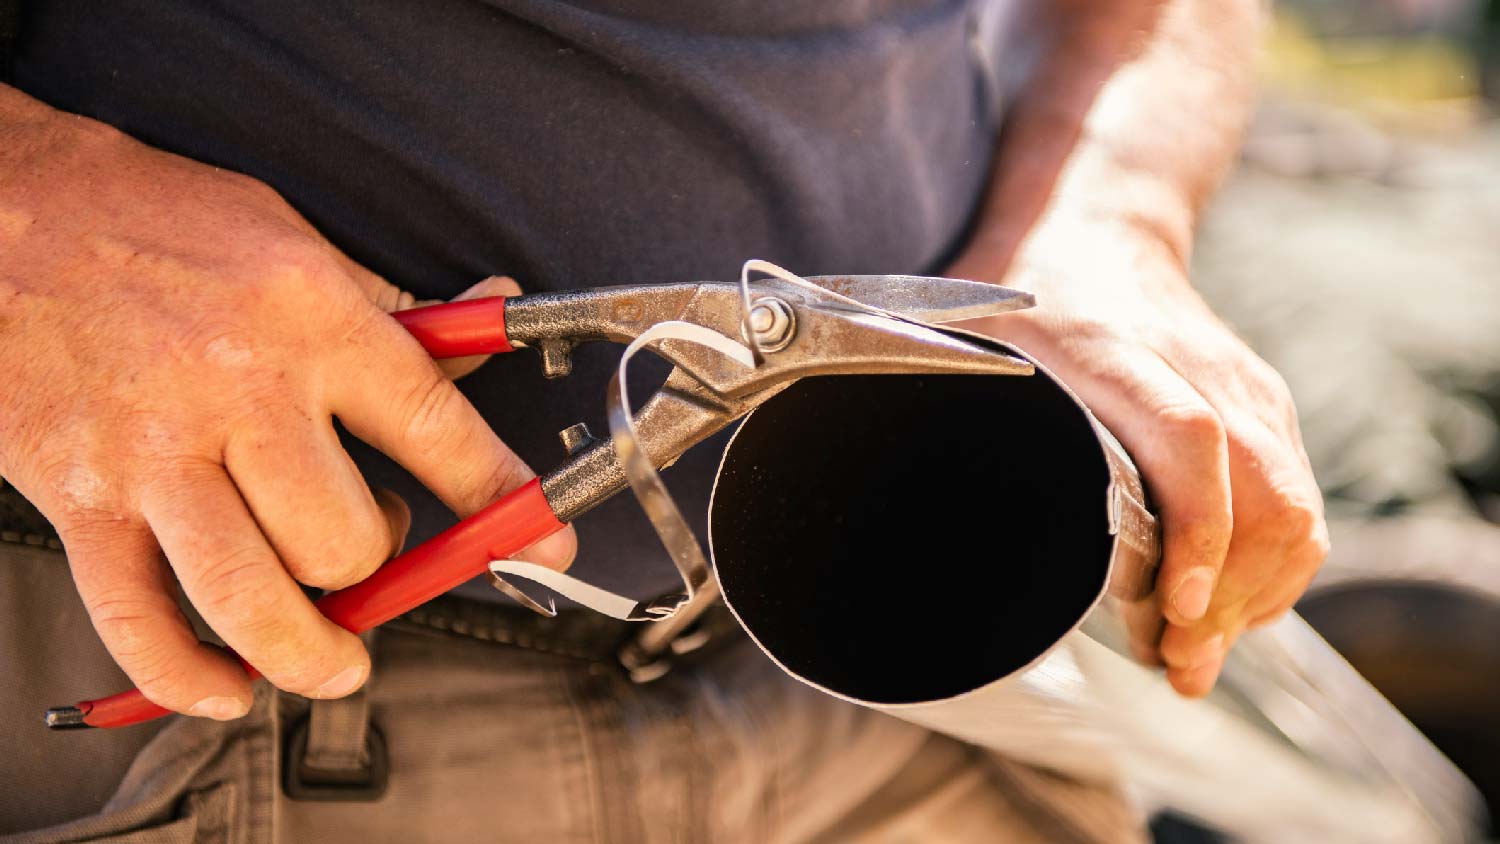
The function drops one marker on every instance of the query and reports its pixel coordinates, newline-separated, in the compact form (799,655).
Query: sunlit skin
(1117,135)
(178,341)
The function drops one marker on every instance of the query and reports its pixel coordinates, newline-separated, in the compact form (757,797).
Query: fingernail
(219,708)
(341,683)
(556,550)
(1190,598)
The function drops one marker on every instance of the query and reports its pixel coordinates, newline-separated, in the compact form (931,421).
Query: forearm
(1131,112)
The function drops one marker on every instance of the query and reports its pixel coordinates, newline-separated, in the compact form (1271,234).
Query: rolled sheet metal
(953,550)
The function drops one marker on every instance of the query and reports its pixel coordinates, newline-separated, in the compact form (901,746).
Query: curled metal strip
(510,591)
(681,544)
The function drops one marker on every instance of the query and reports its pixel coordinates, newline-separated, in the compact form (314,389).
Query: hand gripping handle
(499,531)
(459,553)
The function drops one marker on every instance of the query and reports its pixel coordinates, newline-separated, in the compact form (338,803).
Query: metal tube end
(66,718)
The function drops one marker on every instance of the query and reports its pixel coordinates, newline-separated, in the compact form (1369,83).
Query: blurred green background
(1357,247)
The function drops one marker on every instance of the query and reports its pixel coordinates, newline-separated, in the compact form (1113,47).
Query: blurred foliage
(1410,58)
(1369,67)
(1355,248)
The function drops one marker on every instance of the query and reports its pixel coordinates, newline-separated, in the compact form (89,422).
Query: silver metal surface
(705,391)
(575,438)
(557,357)
(832,335)
(927,299)
(65,718)
(505,588)
(792,328)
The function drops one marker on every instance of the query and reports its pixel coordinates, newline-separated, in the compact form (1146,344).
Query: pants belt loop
(336,754)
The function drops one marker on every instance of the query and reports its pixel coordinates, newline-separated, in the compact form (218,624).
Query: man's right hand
(177,342)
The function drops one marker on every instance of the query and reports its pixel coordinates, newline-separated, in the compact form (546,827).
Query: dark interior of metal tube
(901,538)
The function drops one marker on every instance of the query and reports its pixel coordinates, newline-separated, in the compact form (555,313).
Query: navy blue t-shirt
(567,144)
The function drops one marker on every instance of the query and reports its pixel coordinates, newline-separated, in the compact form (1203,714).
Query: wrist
(1080,244)
(1095,195)
(1142,206)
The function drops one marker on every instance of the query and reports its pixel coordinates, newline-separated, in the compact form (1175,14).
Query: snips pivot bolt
(772,321)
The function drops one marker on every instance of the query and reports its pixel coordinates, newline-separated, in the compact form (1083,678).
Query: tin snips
(732,347)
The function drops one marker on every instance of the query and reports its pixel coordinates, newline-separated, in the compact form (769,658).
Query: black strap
(10,30)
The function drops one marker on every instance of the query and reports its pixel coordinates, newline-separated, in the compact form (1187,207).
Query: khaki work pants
(489,742)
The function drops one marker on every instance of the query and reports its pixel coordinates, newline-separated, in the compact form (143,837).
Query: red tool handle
(459,553)
(456,329)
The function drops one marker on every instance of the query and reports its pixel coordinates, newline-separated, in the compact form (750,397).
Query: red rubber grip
(456,329)
(459,553)
(507,527)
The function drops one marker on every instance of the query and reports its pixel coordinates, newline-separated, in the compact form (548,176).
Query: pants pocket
(172,780)
(202,817)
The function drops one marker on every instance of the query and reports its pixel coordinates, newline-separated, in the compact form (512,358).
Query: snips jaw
(803,329)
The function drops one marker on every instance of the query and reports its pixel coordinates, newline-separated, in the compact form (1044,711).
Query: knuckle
(126,624)
(167,684)
(300,666)
(154,663)
(291,671)
(338,561)
(1195,426)
(1087,330)
(506,476)
(85,502)
(1295,526)
(296,266)
(389,298)
(216,340)
(1300,523)
(95,132)
(427,412)
(253,187)
(1272,385)
(232,587)
(1174,650)
(257,624)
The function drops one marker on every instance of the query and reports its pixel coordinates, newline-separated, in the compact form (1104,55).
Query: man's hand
(1211,426)
(177,343)
(1113,141)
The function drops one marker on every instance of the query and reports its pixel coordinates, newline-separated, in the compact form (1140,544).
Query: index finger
(1179,442)
(408,409)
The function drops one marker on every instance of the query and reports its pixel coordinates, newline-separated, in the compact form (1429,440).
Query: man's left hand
(1210,424)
